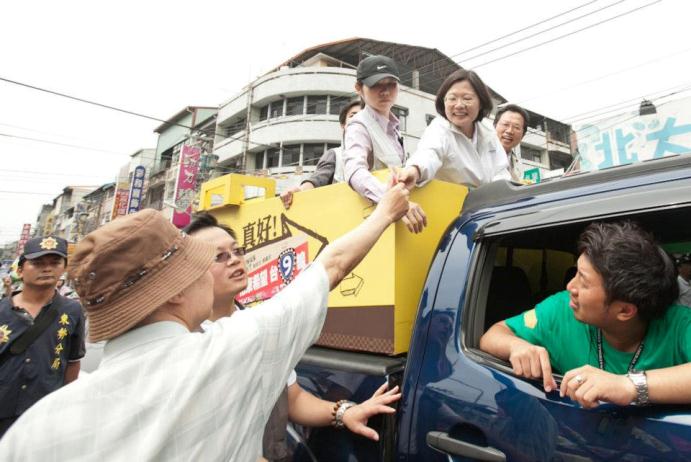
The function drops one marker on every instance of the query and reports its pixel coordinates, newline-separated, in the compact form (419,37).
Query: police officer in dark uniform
(41,332)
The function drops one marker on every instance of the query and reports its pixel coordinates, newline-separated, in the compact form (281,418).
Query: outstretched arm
(343,255)
(306,409)
(355,418)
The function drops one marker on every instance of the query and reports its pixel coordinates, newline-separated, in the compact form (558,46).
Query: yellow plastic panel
(373,308)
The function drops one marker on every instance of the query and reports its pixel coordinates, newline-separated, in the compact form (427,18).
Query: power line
(33,130)
(631,117)
(526,28)
(86,101)
(83,100)
(621,71)
(273,146)
(222,169)
(546,30)
(124,111)
(595,112)
(27,192)
(567,34)
(405,75)
(76,146)
(44,173)
(30,180)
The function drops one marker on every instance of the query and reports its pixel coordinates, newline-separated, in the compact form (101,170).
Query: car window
(519,268)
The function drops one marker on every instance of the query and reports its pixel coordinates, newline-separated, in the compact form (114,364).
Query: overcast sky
(156,57)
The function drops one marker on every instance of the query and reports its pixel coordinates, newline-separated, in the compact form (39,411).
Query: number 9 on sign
(286,265)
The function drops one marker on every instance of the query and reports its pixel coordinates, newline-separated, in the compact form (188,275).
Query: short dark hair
(478,85)
(634,268)
(203,220)
(513,108)
(344,112)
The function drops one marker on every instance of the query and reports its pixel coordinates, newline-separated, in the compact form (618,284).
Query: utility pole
(547,141)
(246,140)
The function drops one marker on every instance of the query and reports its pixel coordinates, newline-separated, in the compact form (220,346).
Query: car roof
(501,193)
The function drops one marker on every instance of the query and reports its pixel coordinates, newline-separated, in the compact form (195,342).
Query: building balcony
(288,130)
(291,82)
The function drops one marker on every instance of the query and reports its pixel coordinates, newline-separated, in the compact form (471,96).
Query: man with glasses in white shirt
(294,403)
(511,124)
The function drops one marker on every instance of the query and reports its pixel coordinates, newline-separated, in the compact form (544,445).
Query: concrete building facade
(195,125)
(64,218)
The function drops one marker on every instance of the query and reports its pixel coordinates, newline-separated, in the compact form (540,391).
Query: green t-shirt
(571,343)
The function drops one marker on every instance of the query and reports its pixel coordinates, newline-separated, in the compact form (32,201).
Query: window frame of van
(640,201)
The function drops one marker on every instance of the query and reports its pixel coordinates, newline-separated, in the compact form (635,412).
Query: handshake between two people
(414,217)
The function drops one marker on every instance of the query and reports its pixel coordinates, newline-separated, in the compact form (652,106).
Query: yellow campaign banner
(373,308)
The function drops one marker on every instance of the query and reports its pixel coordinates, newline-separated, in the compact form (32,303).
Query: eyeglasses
(225,256)
(509,126)
(467,100)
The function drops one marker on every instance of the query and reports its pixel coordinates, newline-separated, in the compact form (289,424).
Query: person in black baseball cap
(41,332)
(373,139)
(375,68)
(40,246)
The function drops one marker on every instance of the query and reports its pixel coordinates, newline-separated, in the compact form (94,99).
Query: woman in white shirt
(456,147)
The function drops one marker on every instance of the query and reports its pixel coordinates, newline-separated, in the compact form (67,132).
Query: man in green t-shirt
(614,332)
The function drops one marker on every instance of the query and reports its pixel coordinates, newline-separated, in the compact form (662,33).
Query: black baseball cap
(372,69)
(40,246)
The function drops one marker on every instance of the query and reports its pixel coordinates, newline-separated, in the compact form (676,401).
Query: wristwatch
(640,381)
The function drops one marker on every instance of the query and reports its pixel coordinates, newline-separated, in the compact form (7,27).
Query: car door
(470,406)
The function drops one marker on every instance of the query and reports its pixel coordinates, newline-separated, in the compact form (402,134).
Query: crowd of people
(188,373)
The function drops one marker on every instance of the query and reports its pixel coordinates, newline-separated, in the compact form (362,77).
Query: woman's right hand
(409,176)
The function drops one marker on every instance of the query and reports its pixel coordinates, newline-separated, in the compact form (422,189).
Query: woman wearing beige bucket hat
(145,286)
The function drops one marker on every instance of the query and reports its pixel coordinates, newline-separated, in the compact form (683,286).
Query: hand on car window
(589,385)
(532,362)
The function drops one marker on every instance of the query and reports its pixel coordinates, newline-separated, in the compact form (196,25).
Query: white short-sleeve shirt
(163,393)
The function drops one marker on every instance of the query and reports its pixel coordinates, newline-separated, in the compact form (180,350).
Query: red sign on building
(185,188)
(26,233)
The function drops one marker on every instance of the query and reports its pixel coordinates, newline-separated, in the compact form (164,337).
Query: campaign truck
(412,313)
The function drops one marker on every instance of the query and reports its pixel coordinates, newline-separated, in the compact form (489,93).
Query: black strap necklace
(601,355)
